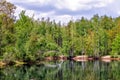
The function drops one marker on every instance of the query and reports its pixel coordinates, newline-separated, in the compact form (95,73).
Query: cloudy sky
(65,10)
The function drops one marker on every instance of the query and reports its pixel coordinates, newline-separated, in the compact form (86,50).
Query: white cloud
(41,2)
(68,4)
(80,4)
(63,18)
(74,7)
(28,12)
(45,15)
(18,10)
(118,12)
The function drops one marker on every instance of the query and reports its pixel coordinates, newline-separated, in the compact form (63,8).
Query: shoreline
(62,58)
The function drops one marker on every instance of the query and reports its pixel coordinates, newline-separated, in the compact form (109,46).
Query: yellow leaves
(90,38)
(2,63)
(19,63)
(112,33)
(34,38)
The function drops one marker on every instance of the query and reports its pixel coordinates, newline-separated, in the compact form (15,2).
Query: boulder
(81,58)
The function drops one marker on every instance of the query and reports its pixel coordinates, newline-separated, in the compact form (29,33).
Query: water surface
(63,70)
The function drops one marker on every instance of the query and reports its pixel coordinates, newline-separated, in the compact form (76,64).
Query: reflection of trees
(54,65)
(68,71)
(58,72)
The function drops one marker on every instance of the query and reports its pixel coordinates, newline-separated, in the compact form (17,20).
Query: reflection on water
(67,70)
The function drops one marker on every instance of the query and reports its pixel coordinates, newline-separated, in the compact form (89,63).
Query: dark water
(67,70)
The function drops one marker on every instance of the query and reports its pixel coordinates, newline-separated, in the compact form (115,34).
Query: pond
(63,70)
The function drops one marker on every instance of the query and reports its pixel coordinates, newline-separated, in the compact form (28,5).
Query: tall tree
(7,18)
(116,45)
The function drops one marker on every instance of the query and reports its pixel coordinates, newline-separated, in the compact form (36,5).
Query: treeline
(30,39)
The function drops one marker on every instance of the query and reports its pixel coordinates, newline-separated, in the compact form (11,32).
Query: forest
(28,39)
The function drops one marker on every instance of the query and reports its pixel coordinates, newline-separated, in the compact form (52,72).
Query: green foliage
(116,45)
(29,39)
(23,29)
(7,37)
